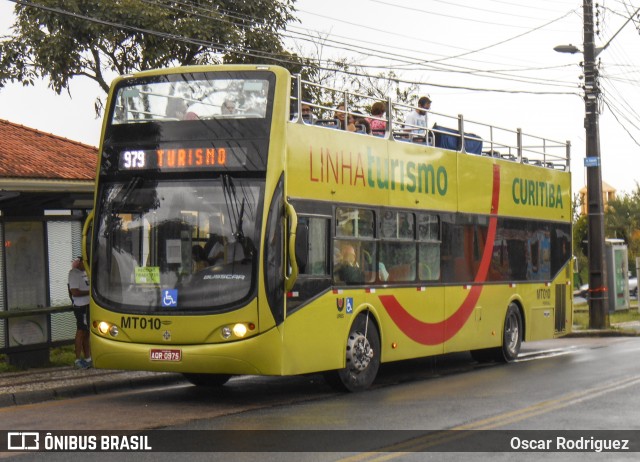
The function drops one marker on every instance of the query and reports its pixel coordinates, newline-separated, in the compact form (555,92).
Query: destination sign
(183,159)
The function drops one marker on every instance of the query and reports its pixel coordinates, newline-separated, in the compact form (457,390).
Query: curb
(603,333)
(74,391)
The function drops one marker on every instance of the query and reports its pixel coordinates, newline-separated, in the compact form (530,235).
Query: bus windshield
(191,97)
(184,245)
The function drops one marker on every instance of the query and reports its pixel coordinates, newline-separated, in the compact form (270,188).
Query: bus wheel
(511,340)
(511,334)
(362,358)
(207,380)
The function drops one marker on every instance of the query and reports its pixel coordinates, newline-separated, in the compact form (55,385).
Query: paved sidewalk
(38,385)
(622,329)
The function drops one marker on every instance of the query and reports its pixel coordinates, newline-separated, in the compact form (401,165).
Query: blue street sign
(592,162)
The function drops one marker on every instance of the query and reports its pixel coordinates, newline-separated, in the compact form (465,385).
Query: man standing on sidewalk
(79,291)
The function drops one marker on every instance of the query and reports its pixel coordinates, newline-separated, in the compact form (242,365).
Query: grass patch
(4,365)
(581,315)
(62,356)
(59,356)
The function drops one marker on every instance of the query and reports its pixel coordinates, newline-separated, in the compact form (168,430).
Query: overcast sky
(466,53)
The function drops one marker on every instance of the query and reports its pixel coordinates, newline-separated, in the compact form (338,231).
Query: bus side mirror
(302,246)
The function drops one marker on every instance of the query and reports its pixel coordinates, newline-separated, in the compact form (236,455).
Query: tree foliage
(61,39)
(344,74)
(621,221)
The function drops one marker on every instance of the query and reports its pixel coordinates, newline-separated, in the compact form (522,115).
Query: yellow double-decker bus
(239,228)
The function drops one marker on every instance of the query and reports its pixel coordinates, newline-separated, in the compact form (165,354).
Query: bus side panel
(410,326)
(472,326)
(315,336)
(531,192)
(419,177)
(333,165)
(551,311)
(411,321)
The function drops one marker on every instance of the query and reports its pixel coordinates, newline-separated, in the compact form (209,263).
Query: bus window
(317,246)
(354,222)
(429,261)
(354,262)
(147,231)
(399,259)
(197,98)
(428,247)
(397,225)
(428,227)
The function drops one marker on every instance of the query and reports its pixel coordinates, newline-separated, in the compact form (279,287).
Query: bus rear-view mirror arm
(88,225)
(290,278)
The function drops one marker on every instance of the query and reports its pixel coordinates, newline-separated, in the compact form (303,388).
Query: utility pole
(598,312)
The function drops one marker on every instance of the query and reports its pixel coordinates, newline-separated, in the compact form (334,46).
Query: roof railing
(443,131)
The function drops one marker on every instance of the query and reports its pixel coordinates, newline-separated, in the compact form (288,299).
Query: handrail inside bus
(444,131)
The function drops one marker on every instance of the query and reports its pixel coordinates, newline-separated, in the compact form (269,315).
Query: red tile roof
(29,153)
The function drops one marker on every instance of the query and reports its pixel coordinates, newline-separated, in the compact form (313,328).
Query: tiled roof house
(33,162)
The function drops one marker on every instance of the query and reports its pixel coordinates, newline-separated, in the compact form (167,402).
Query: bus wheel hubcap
(359,352)
(512,334)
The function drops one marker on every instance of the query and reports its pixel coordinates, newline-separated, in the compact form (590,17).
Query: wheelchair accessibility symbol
(349,305)
(169,297)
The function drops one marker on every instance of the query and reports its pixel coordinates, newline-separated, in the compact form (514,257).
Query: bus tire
(511,334)
(511,340)
(207,380)
(362,357)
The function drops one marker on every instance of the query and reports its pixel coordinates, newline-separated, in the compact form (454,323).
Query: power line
(400,58)
(459,18)
(259,54)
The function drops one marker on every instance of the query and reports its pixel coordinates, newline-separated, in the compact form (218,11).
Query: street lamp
(597,289)
(567,49)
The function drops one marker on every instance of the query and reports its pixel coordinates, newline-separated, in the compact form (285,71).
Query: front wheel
(207,380)
(362,357)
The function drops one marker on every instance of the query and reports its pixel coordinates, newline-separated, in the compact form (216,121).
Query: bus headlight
(226,332)
(104,328)
(240,330)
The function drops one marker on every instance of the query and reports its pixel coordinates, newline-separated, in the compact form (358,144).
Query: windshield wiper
(236,210)
(112,223)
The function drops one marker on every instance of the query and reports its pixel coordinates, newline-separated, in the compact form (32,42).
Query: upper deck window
(191,97)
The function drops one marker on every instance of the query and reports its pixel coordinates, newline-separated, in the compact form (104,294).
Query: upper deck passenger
(378,110)
(418,117)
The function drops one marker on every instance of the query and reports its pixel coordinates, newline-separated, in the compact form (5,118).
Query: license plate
(165,355)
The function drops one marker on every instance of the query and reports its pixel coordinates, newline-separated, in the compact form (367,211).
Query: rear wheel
(512,334)
(207,380)
(362,357)
(511,340)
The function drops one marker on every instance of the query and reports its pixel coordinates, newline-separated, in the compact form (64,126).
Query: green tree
(343,74)
(61,39)
(622,221)
(580,236)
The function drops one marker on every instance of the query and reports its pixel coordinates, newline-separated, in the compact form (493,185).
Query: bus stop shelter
(46,192)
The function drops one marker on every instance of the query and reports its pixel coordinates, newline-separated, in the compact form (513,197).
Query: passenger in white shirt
(418,117)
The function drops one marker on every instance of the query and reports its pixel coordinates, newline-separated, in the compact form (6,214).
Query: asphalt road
(582,384)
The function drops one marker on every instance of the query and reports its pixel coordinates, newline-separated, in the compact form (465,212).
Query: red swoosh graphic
(435,333)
